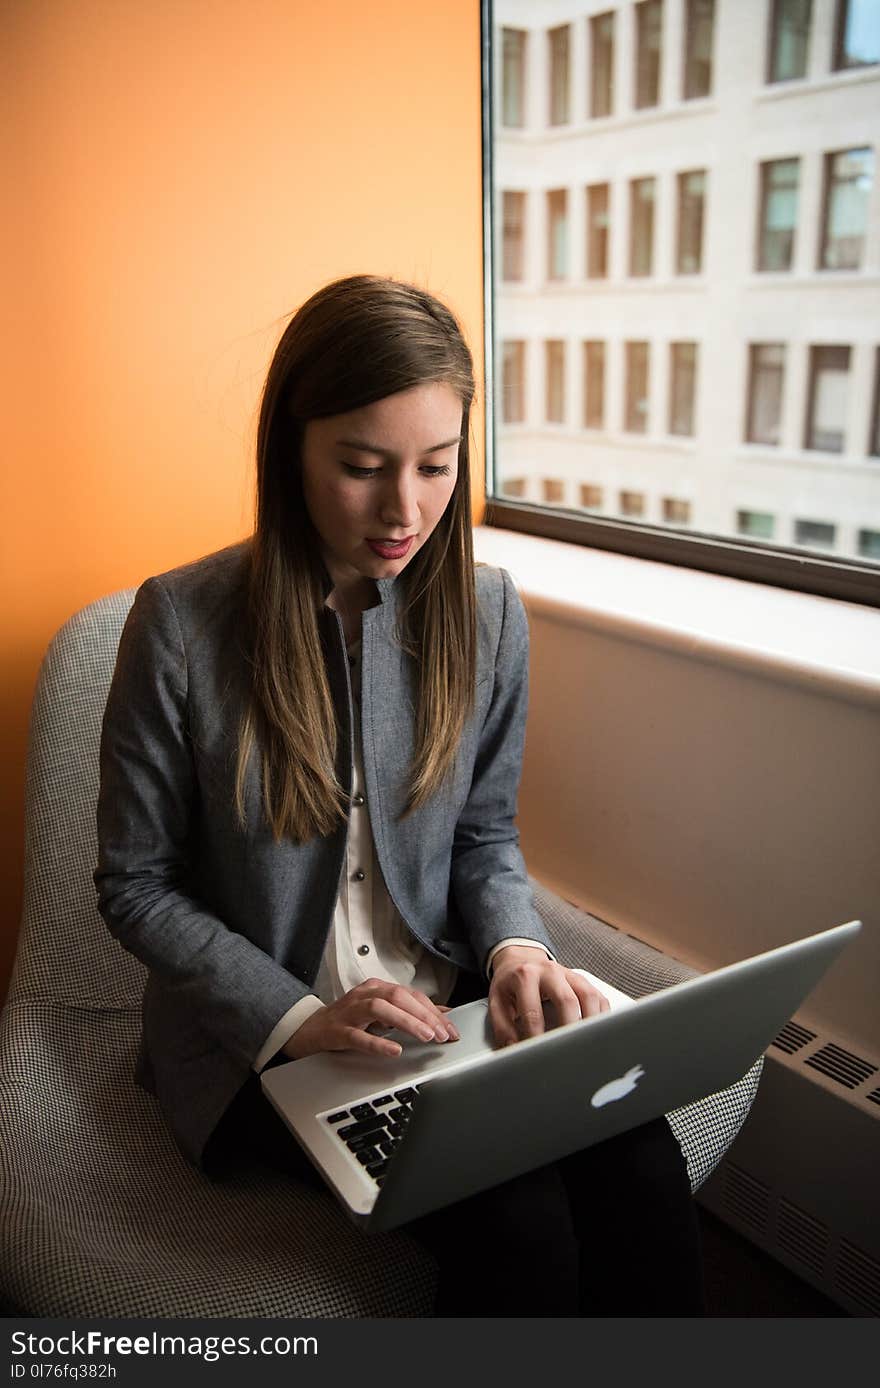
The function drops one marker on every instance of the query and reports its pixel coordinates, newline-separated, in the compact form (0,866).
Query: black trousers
(608,1231)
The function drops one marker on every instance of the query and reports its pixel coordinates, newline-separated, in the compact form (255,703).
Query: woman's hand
(346,1025)
(522,979)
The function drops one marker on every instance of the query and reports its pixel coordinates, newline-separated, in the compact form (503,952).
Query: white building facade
(687,253)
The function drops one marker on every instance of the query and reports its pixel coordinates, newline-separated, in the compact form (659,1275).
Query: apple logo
(617,1089)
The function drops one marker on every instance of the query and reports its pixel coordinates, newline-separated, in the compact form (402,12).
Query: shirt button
(359,876)
(357,799)
(363,949)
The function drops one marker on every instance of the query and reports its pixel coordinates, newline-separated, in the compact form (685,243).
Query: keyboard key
(377,1168)
(363,1111)
(338,1117)
(388,1148)
(369,1156)
(400,1114)
(404,1096)
(357,1144)
(366,1125)
(386,1099)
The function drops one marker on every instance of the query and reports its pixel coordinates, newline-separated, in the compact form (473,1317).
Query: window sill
(825,645)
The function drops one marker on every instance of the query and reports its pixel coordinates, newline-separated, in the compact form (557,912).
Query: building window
(682,387)
(602,64)
(559,83)
(649,40)
(514,487)
(553,489)
(513,382)
(691,204)
(814,534)
(594,385)
(591,497)
(513,227)
(557,234)
(874,439)
(869,544)
(513,77)
(699,23)
(789,39)
(779,207)
(636,406)
(554,359)
(641,226)
(826,408)
(676,512)
(849,175)
(757,525)
(766,371)
(857,34)
(597,231)
(632,504)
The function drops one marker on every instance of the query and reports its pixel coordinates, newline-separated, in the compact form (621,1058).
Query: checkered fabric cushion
(101,1214)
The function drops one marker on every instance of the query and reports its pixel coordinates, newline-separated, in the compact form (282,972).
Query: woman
(309,768)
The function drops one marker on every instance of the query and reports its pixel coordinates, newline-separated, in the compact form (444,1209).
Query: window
(857,34)
(764,415)
(557,234)
(602,64)
(513,230)
(632,504)
(649,29)
(826,409)
(641,226)
(513,77)
(594,385)
(757,525)
(559,93)
(869,544)
(814,534)
(554,359)
(789,40)
(513,382)
(849,175)
(682,387)
(691,202)
(675,326)
(778,216)
(553,489)
(676,512)
(597,231)
(699,22)
(636,406)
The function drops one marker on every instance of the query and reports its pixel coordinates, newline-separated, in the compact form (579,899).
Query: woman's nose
(400,503)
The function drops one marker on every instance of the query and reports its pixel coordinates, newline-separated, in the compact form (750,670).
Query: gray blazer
(231,924)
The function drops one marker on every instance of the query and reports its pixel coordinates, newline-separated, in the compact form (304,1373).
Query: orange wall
(185,172)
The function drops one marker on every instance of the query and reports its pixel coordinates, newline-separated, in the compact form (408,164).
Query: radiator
(802,1179)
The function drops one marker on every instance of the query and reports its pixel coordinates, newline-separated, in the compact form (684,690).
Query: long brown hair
(352,343)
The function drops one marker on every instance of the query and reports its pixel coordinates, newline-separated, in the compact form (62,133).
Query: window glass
(857,41)
(699,22)
(789,39)
(636,411)
(649,38)
(641,226)
(849,176)
(597,231)
(691,202)
(559,91)
(513,77)
(779,209)
(602,64)
(682,308)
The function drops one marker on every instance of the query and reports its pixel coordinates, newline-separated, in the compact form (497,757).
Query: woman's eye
(432,471)
(354,471)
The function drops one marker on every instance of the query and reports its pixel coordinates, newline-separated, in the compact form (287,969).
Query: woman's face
(377,480)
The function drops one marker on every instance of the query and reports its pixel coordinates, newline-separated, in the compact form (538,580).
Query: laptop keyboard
(373,1129)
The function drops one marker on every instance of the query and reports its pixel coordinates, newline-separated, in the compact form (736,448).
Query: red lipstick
(392,549)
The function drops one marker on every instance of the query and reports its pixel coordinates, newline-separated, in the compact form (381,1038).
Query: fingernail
(426,1033)
(441,1034)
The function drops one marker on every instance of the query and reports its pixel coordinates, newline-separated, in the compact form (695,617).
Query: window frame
(733,556)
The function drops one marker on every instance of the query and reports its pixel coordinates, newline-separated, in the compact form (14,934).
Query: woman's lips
(392,549)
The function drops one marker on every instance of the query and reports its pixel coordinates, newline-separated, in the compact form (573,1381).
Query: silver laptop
(396,1139)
